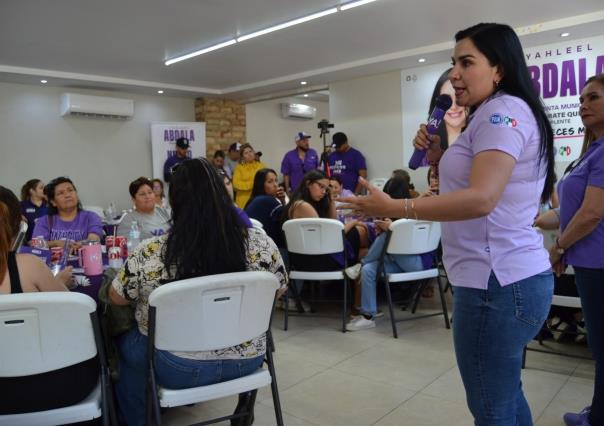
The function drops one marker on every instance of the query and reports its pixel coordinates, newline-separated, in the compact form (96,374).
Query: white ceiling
(122,44)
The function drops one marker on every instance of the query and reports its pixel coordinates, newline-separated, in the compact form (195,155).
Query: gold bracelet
(413,209)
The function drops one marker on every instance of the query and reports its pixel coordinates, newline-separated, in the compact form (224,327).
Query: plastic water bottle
(134,236)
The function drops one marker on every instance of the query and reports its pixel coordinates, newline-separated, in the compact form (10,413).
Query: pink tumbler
(92,258)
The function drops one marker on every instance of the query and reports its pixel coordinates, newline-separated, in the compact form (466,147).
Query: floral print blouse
(144,271)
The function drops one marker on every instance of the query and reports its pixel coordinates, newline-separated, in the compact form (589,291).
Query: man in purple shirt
(347,162)
(182,153)
(297,162)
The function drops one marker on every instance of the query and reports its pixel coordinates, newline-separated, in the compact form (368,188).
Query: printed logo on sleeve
(502,120)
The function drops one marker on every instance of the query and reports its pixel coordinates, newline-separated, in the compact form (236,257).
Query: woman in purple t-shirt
(492,180)
(66,219)
(581,241)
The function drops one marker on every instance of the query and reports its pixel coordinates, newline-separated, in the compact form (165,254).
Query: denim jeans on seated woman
(490,331)
(392,264)
(171,371)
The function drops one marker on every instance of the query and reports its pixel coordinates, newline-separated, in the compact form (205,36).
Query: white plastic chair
(412,237)
(227,310)
(379,182)
(316,236)
(96,209)
(44,332)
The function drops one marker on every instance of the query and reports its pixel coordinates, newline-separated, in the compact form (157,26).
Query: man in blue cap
(182,149)
(297,162)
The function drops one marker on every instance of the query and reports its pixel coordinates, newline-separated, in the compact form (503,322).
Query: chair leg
(389,298)
(418,295)
(443,302)
(153,409)
(274,389)
(345,307)
(269,340)
(250,409)
(286,311)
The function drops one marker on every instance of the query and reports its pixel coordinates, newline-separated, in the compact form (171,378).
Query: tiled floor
(366,378)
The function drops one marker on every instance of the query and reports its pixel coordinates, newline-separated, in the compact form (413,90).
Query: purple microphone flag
(443,103)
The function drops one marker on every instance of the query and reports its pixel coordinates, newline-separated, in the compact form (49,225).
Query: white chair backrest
(96,209)
(314,236)
(41,332)
(213,312)
(413,236)
(256,223)
(379,182)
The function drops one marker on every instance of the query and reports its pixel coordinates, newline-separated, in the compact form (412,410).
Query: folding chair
(315,236)
(222,311)
(44,332)
(412,237)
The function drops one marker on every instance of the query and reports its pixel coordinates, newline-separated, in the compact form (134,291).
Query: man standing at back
(297,162)
(182,149)
(232,159)
(347,162)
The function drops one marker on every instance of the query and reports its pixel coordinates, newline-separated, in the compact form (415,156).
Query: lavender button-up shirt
(504,241)
(295,168)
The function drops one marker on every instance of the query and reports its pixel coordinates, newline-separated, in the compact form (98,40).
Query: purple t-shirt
(85,223)
(587,252)
(295,168)
(504,241)
(32,213)
(347,165)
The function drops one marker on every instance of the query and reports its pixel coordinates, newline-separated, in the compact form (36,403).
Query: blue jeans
(171,371)
(490,330)
(392,264)
(590,283)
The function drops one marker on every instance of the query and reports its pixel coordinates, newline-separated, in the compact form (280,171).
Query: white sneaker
(353,271)
(361,323)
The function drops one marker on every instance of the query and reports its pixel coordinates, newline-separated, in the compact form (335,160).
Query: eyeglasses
(323,188)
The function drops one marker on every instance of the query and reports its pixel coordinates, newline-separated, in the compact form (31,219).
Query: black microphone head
(444,102)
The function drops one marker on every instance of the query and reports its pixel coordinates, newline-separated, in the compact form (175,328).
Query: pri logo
(503,121)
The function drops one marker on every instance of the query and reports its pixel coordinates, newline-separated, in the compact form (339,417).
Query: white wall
(101,156)
(369,111)
(273,135)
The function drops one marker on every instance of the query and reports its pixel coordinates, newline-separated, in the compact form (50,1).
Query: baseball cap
(182,143)
(301,135)
(339,139)
(235,146)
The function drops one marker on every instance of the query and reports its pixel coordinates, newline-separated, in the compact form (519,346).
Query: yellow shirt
(243,181)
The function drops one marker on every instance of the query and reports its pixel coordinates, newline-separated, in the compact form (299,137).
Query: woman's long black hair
(303,193)
(207,236)
(258,188)
(500,44)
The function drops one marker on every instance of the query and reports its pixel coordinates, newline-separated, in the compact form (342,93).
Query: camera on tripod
(324,125)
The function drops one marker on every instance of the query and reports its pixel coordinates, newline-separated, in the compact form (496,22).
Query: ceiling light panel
(352,4)
(200,52)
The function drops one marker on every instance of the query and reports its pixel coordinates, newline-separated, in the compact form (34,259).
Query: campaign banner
(558,71)
(163,142)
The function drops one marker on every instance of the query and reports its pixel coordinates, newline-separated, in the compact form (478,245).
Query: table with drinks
(91,261)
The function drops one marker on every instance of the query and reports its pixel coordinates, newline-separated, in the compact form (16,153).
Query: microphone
(443,103)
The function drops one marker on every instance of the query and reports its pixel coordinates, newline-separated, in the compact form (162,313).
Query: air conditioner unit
(298,111)
(96,106)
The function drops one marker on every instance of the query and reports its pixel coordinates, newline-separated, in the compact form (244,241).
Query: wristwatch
(559,249)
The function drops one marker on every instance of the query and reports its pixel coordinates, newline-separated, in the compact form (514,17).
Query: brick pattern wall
(225,122)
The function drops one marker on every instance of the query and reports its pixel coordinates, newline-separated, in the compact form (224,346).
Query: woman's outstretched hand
(375,203)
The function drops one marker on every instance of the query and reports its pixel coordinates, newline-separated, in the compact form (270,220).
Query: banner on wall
(163,142)
(558,72)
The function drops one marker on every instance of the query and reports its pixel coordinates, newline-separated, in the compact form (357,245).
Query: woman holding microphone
(492,180)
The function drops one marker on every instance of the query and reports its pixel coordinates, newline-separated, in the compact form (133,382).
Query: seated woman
(25,273)
(313,199)
(66,219)
(160,197)
(33,204)
(397,188)
(206,238)
(266,204)
(152,220)
(228,184)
